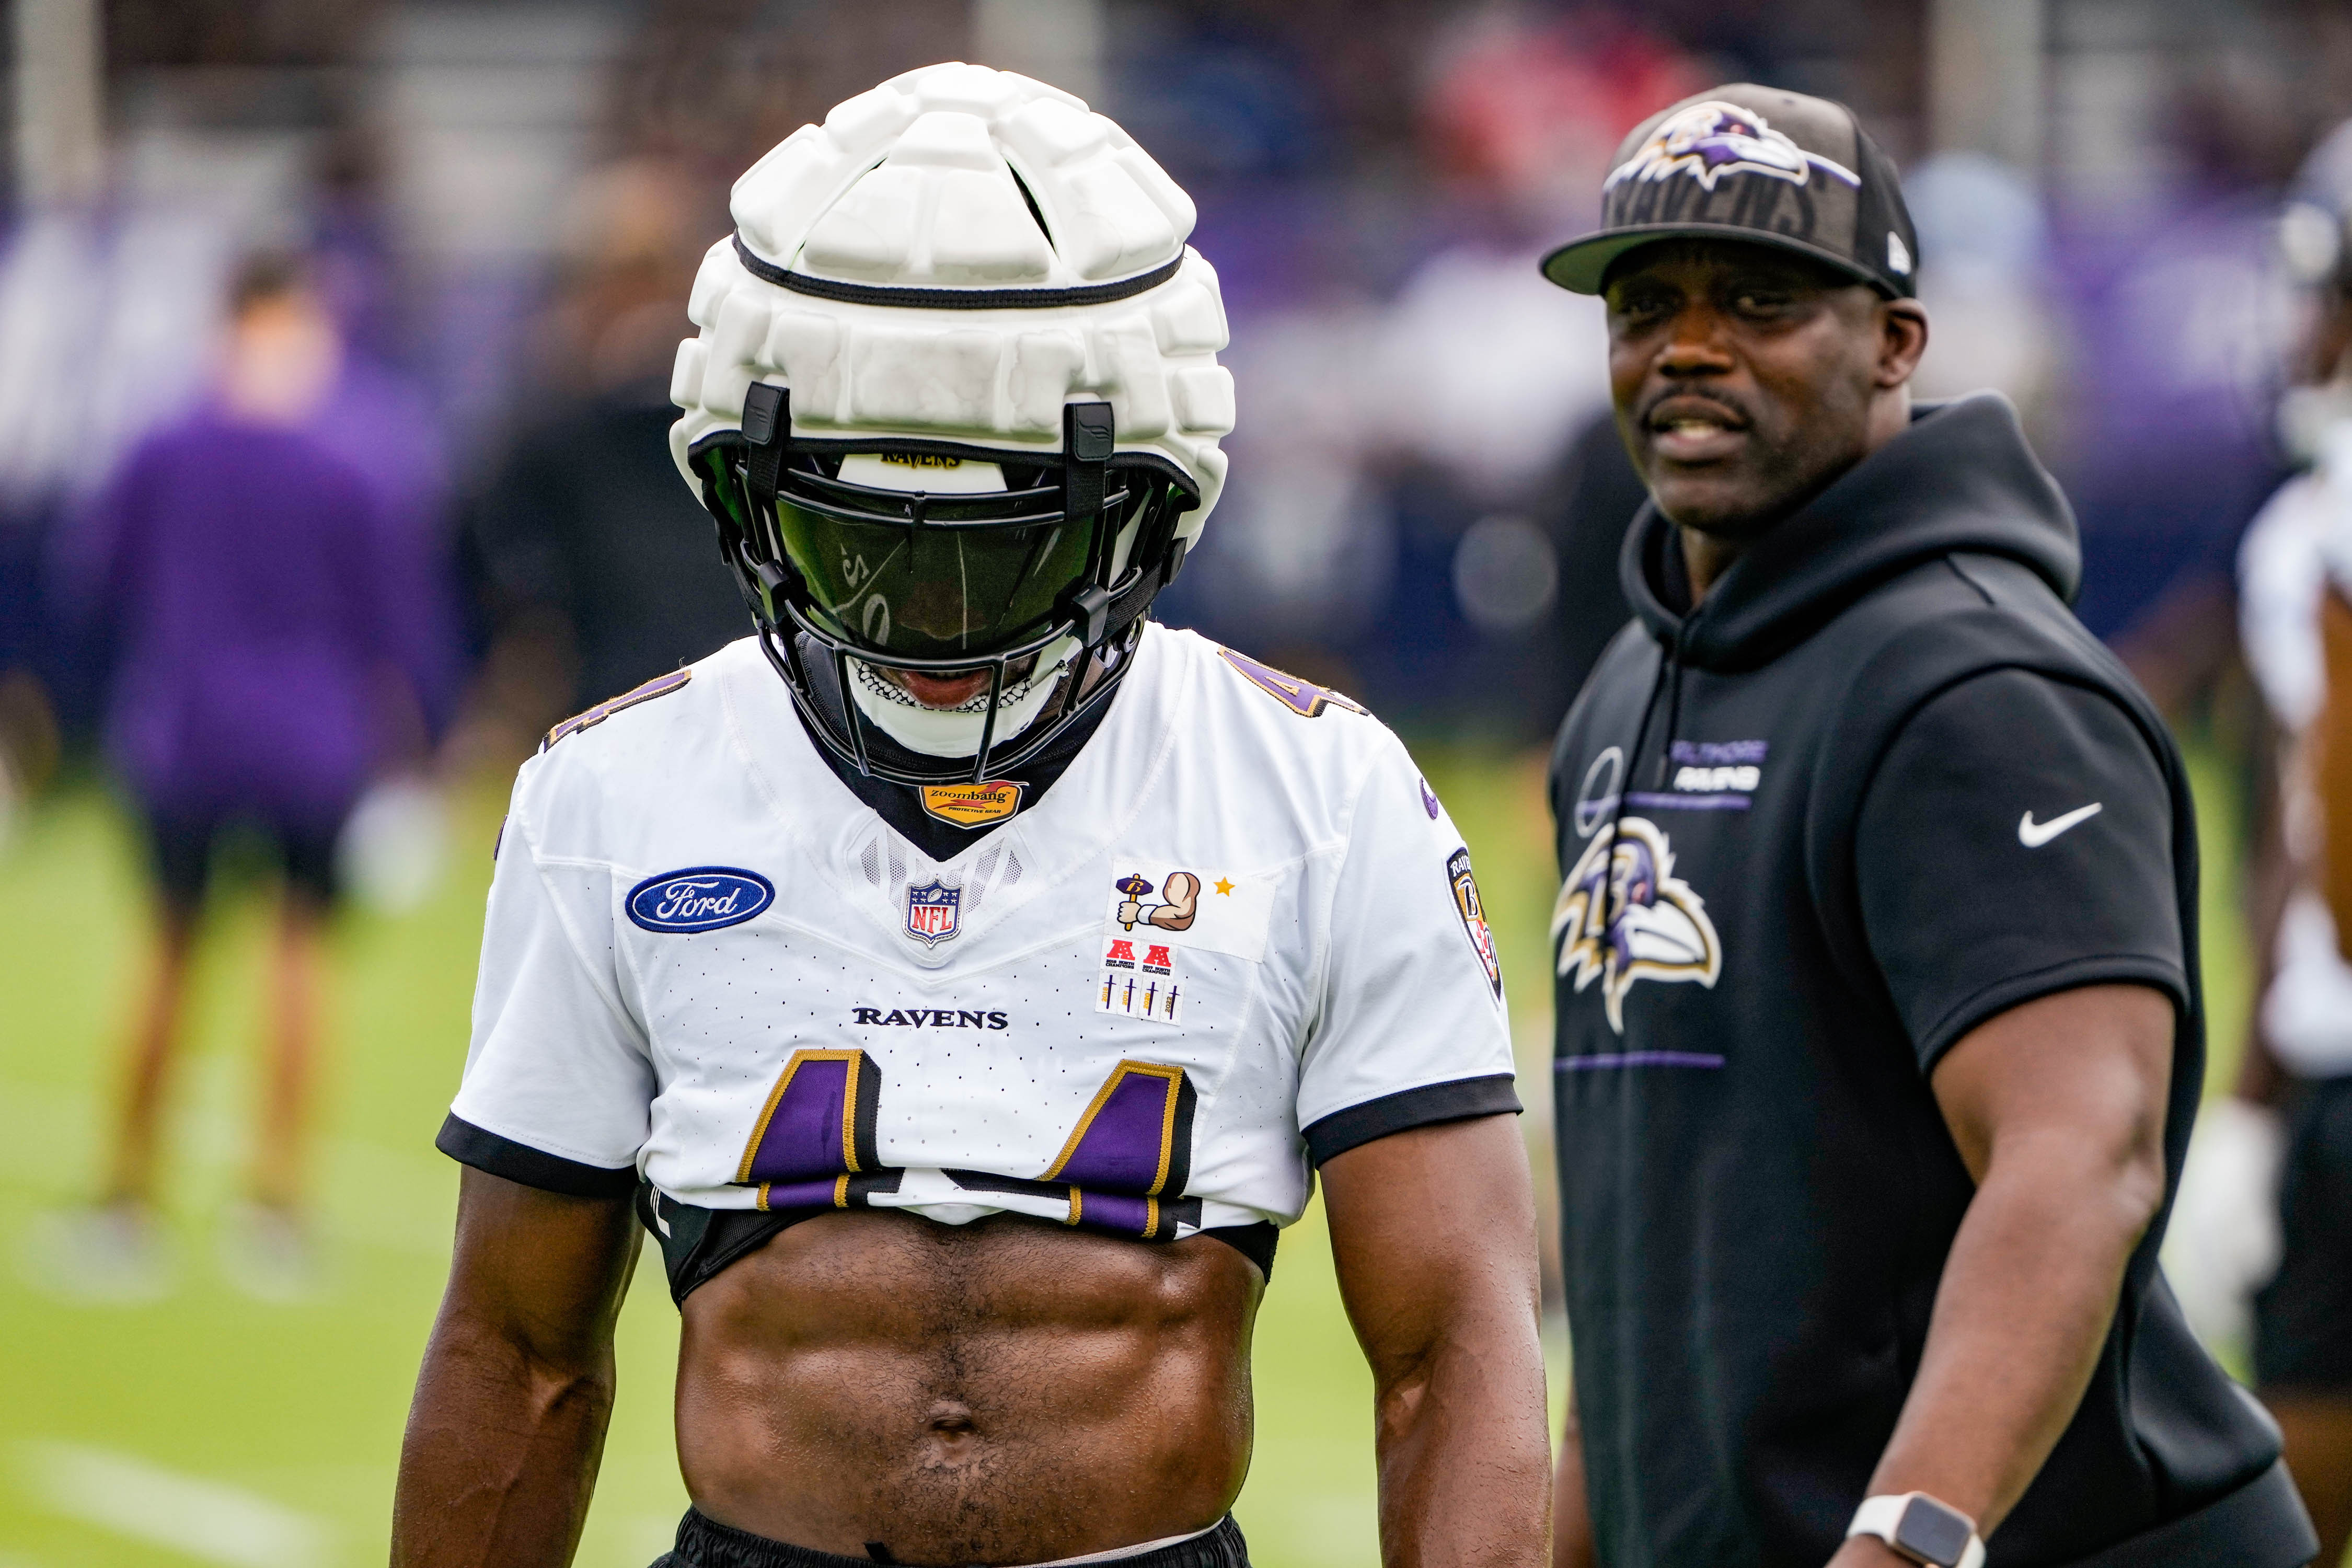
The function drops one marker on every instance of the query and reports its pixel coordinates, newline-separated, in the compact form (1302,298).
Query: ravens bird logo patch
(1624,916)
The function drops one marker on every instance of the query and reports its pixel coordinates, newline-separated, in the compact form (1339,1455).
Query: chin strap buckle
(1091,605)
(766,427)
(1089,434)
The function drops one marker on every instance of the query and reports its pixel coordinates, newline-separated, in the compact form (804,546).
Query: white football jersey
(1239,927)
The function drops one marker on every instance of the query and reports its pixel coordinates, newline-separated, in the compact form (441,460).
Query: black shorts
(180,844)
(706,1544)
(2303,1319)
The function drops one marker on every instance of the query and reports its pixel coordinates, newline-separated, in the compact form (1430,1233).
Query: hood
(1961,478)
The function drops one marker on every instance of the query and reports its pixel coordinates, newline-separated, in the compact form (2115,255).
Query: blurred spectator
(2179,319)
(1597,493)
(262,631)
(1436,506)
(1983,276)
(1304,551)
(1528,109)
(597,569)
(1495,382)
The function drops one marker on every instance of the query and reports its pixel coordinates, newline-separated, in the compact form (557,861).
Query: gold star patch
(1225,888)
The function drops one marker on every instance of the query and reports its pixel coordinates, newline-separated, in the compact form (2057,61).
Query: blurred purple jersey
(257,616)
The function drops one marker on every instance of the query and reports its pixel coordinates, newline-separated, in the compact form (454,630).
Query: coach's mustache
(1679,405)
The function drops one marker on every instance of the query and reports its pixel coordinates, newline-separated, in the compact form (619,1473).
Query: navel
(950,1418)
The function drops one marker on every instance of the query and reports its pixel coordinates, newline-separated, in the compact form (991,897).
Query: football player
(2262,1248)
(964,977)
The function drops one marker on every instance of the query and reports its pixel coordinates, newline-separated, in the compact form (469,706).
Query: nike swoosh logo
(2034,834)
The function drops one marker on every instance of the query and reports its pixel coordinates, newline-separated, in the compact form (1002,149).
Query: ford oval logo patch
(702,898)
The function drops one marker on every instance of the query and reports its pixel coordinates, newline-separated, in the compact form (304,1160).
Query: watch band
(1920,1528)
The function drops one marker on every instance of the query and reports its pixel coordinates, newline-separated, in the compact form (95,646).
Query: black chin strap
(767,425)
(1088,436)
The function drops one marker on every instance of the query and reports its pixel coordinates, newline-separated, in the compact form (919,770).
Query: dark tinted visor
(934,575)
(935,591)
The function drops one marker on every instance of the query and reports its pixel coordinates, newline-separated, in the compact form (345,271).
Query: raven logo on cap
(1710,139)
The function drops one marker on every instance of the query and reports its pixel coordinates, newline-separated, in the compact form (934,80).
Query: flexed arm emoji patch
(1179,901)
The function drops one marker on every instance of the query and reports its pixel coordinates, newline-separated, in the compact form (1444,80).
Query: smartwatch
(1921,1529)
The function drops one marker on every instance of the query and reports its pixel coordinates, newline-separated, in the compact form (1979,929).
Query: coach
(1879,1026)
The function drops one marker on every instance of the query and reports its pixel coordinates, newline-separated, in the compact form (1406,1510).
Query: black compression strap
(697,1243)
(1132,606)
(970,451)
(767,428)
(486,1151)
(1335,1134)
(760,266)
(1089,436)
(1254,1242)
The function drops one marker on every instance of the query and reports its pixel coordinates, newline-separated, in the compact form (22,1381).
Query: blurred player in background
(1880,1031)
(254,621)
(593,563)
(965,977)
(2265,1210)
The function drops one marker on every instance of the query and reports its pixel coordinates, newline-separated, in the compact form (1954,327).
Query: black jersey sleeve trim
(2101,969)
(486,1151)
(1335,1134)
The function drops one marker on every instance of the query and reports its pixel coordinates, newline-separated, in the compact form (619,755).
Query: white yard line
(209,1520)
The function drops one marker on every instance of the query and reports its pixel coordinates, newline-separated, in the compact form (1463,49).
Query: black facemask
(839,573)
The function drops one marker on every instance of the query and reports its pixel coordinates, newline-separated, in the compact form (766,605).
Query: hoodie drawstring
(1674,709)
(1670,675)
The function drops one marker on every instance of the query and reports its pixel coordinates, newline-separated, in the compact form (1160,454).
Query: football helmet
(953,403)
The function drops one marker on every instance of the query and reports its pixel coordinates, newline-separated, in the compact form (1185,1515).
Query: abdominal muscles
(1004,1392)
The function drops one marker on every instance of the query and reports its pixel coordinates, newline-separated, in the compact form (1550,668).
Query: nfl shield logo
(932,911)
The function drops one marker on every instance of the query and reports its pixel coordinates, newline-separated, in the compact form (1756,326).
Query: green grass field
(210,1429)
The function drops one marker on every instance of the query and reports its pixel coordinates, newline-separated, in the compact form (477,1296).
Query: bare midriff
(1005,1391)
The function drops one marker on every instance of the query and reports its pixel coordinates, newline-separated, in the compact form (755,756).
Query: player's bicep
(2017,840)
(1432,1229)
(542,1272)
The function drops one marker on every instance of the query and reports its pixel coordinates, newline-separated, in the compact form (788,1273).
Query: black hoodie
(1878,787)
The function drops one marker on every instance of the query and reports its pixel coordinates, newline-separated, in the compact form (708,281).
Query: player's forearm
(2028,1294)
(1433,1234)
(2331,762)
(1572,1545)
(1464,1464)
(500,1454)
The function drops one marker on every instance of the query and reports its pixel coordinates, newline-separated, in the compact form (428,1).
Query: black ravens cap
(1753,164)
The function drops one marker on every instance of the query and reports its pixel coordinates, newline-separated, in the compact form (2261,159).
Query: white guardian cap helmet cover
(954,405)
